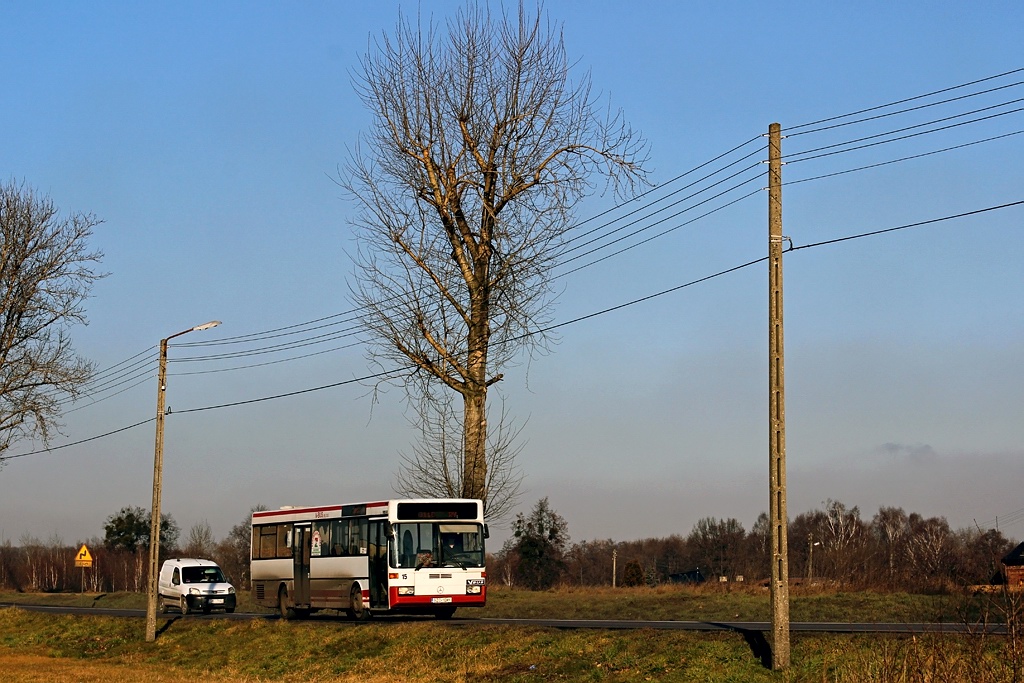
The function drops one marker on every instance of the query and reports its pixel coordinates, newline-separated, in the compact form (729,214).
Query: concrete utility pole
(158,482)
(777,410)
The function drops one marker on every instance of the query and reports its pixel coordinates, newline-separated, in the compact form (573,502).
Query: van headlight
(193,591)
(231,590)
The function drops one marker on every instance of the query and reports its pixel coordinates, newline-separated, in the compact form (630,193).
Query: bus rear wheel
(357,608)
(283,608)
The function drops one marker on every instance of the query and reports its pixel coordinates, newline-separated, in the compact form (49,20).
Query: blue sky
(208,136)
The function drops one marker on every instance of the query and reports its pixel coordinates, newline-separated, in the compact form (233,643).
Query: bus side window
(284,540)
(357,537)
(339,538)
(267,545)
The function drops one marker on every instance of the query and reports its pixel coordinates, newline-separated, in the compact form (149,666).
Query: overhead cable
(904,101)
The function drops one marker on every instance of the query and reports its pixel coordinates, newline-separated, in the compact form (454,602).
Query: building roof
(1016,557)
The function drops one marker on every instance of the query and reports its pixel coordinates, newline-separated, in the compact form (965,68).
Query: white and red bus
(413,556)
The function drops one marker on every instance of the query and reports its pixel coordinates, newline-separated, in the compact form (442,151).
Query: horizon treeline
(831,544)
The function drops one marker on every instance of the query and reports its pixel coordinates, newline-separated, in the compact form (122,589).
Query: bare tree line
(37,566)
(831,545)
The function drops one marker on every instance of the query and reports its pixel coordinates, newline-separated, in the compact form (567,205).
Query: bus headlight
(407,590)
(473,588)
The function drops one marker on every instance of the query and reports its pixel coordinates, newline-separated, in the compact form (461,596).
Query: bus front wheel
(444,612)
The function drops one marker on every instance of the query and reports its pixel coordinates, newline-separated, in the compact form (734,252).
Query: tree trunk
(474,473)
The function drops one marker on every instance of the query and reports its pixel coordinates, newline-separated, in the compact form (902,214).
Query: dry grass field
(47,647)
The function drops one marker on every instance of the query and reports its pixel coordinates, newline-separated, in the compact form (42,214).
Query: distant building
(1013,566)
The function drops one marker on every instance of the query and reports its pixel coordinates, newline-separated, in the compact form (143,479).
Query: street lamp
(158,472)
(811,543)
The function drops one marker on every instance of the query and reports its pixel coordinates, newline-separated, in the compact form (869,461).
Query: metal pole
(777,410)
(158,474)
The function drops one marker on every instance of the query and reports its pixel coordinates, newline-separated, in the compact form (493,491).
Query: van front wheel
(184,606)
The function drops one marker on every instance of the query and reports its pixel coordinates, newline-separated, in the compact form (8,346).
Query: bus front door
(301,541)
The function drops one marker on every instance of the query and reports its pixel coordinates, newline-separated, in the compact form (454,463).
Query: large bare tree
(46,273)
(482,145)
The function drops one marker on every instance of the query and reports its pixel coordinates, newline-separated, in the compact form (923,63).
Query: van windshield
(201,575)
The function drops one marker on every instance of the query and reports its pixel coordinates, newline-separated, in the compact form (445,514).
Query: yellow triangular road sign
(83,558)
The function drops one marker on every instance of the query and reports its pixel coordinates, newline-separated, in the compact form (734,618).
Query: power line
(671,194)
(77,443)
(274,348)
(377,375)
(668,182)
(354,314)
(664,208)
(903,101)
(114,377)
(278,332)
(907,226)
(908,158)
(791,160)
(549,328)
(660,234)
(273,362)
(908,110)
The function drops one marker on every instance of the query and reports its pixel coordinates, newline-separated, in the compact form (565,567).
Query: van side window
(176,578)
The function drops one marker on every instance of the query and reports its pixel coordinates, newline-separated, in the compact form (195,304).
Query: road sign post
(83,559)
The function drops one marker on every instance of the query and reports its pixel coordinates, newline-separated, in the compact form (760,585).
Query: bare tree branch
(46,273)
(480,149)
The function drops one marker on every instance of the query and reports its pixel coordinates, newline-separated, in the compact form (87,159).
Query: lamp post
(158,473)
(810,557)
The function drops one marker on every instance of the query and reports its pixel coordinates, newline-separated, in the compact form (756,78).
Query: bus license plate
(217,601)
(437,600)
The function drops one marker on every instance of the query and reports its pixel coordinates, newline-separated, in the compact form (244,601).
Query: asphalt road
(747,627)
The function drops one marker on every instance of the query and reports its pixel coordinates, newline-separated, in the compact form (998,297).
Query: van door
(301,542)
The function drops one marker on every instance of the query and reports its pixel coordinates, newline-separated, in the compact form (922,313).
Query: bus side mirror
(487,532)
(389,530)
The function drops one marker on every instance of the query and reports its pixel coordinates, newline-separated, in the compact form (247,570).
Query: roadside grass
(37,647)
(698,603)
(118,600)
(715,603)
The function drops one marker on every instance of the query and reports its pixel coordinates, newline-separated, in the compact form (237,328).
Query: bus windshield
(433,544)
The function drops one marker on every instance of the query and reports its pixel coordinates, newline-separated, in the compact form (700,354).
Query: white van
(191,584)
